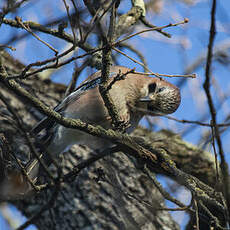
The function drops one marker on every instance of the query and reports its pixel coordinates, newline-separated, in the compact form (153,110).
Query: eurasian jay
(135,96)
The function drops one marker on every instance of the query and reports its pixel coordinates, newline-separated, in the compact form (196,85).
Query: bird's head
(161,98)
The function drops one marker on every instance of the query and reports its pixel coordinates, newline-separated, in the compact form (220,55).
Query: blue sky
(163,55)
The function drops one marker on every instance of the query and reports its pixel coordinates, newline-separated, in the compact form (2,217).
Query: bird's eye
(152,87)
(161,89)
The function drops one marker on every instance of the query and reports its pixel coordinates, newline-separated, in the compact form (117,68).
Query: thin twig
(70,21)
(10,9)
(168,75)
(148,24)
(56,66)
(27,28)
(118,77)
(213,218)
(7,46)
(124,54)
(136,51)
(75,76)
(129,195)
(197,214)
(164,193)
(152,29)
(196,122)
(215,153)
(40,63)
(78,20)
(92,11)
(94,21)
(206,86)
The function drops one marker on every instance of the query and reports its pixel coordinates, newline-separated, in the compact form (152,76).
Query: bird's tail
(18,183)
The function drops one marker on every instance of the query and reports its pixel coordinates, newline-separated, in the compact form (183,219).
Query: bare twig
(118,77)
(78,20)
(148,24)
(57,65)
(75,76)
(206,85)
(96,19)
(6,46)
(215,153)
(19,21)
(36,26)
(153,29)
(196,122)
(144,66)
(214,219)
(40,63)
(164,193)
(10,9)
(168,75)
(197,214)
(136,51)
(70,21)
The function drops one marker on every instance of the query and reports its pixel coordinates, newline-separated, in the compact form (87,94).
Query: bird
(134,96)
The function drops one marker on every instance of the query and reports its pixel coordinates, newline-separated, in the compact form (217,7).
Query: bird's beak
(145,99)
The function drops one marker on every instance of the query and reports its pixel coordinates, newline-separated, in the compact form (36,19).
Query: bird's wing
(92,82)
